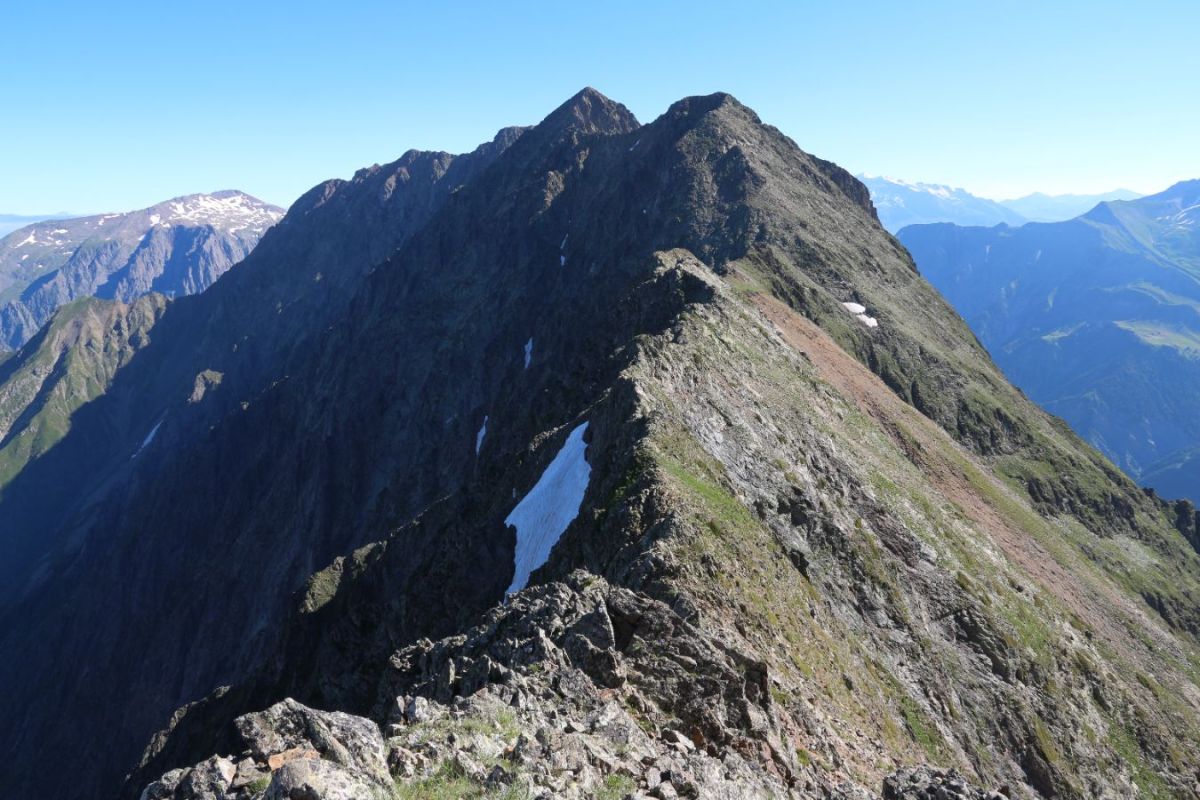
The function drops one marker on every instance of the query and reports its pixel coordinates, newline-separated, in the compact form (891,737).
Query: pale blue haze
(116,105)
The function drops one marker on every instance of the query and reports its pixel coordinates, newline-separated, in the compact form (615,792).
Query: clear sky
(115,105)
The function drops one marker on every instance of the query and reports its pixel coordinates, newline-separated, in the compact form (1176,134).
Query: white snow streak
(551,505)
(479,436)
(528,352)
(562,261)
(860,313)
(149,438)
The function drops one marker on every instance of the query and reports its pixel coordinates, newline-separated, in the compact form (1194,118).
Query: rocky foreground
(572,690)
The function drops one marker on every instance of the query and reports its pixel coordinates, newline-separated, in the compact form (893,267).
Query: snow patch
(860,313)
(563,245)
(479,436)
(562,261)
(528,352)
(232,213)
(155,219)
(30,239)
(550,507)
(149,438)
(935,189)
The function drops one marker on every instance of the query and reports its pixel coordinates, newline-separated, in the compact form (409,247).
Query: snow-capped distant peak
(230,210)
(935,189)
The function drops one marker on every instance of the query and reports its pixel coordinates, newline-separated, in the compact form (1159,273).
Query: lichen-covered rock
(164,787)
(317,779)
(208,780)
(291,728)
(292,753)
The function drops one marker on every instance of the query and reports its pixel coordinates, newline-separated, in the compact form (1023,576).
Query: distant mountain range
(177,247)
(901,203)
(11,222)
(1096,318)
(1038,207)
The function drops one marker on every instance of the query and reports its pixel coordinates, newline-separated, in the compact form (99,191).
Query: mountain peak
(699,106)
(589,111)
(228,209)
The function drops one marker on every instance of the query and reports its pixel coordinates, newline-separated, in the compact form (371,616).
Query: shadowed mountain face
(71,362)
(795,517)
(174,248)
(1097,319)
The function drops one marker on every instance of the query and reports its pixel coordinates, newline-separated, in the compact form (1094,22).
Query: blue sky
(115,105)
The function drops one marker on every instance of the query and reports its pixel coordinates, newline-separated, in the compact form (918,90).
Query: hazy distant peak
(1041,207)
(901,203)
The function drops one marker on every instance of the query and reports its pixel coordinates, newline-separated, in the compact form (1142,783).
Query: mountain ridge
(797,525)
(1042,207)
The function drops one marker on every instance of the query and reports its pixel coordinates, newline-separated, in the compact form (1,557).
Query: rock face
(1097,319)
(924,783)
(290,752)
(175,248)
(811,554)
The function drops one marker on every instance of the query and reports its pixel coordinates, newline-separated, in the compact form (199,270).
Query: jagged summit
(588,111)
